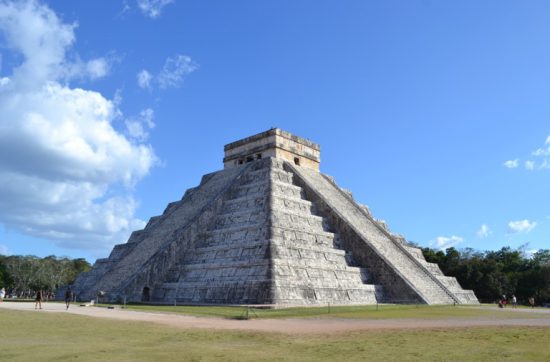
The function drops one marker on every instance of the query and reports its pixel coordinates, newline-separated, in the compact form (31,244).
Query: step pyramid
(268,229)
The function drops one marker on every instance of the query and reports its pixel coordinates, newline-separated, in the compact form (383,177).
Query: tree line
(492,274)
(23,275)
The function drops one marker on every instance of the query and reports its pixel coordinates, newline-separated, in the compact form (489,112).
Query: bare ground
(293,326)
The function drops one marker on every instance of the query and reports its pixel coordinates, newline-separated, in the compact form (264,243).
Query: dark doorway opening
(146,296)
(296,161)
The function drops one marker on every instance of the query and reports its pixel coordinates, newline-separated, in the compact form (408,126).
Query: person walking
(514,301)
(68,297)
(2,294)
(38,299)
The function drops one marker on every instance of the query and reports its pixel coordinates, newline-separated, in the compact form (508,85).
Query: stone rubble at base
(268,230)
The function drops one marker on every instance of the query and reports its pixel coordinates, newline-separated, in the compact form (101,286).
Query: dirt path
(291,326)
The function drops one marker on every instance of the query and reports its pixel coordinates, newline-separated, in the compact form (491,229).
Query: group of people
(503,301)
(39,299)
(514,301)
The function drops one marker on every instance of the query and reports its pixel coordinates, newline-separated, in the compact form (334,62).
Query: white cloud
(138,127)
(542,151)
(174,71)
(444,242)
(483,231)
(144,79)
(4,250)
(97,68)
(543,155)
(541,159)
(511,163)
(65,172)
(521,226)
(152,8)
(172,75)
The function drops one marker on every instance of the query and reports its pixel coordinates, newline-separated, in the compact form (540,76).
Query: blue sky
(436,114)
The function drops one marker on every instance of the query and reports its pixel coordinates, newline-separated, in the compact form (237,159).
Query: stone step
(297,220)
(433,268)
(258,200)
(214,284)
(292,203)
(243,235)
(276,244)
(289,232)
(239,218)
(414,251)
(246,211)
(171,206)
(309,296)
(229,246)
(228,253)
(280,188)
(261,186)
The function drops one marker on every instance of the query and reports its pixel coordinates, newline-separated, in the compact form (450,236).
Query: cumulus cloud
(152,8)
(483,231)
(530,165)
(444,242)
(65,172)
(511,163)
(172,75)
(521,226)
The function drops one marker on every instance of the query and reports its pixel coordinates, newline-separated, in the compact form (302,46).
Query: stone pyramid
(268,229)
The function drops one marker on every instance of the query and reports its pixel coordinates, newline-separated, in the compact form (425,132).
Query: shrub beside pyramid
(268,229)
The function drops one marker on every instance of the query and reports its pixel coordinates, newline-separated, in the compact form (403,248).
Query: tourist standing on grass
(68,297)
(532,302)
(514,301)
(38,299)
(2,294)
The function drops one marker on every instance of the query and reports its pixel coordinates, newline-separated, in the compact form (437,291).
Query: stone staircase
(230,260)
(309,267)
(126,260)
(406,263)
(267,247)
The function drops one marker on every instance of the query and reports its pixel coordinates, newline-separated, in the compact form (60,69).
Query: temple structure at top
(274,143)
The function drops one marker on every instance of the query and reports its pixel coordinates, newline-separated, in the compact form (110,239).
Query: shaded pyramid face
(268,232)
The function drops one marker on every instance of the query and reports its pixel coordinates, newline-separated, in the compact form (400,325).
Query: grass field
(356,312)
(40,336)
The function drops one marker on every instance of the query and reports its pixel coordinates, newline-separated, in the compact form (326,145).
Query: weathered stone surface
(268,232)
